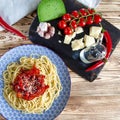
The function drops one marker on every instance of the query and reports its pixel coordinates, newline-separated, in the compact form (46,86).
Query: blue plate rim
(50,51)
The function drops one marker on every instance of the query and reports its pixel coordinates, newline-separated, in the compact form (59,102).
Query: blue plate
(58,105)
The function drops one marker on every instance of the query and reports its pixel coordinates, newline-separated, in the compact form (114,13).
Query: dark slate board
(71,58)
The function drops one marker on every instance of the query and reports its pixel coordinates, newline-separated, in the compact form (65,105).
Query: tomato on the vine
(89,20)
(75,13)
(83,12)
(62,24)
(81,17)
(66,17)
(91,11)
(68,31)
(97,19)
(73,24)
(82,22)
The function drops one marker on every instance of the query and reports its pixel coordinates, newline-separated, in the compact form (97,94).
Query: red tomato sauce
(29,84)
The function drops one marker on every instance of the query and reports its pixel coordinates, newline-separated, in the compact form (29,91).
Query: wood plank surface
(98,100)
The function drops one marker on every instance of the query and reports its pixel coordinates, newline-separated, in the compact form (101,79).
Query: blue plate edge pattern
(50,51)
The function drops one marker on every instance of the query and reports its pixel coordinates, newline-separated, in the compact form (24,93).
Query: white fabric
(13,10)
(90,3)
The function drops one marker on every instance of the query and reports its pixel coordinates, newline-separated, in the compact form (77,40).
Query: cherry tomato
(73,24)
(41,79)
(38,93)
(19,95)
(26,95)
(83,12)
(68,31)
(29,98)
(75,13)
(36,71)
(42,76)
(66,17)
(82,22)
(62,24)
(91,11)
(89,20)
(97,19)
(33,71)
(16,87)
(20,83)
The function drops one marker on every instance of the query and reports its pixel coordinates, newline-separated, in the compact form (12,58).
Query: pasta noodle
(38,104)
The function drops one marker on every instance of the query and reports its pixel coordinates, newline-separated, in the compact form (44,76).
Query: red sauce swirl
(29,84)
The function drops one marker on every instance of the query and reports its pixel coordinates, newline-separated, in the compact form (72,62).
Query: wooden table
(99,100)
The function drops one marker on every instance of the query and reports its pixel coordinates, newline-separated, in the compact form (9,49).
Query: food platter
(70,57)
(57,106)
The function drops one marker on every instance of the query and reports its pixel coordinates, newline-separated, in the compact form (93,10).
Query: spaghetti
(38,104)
